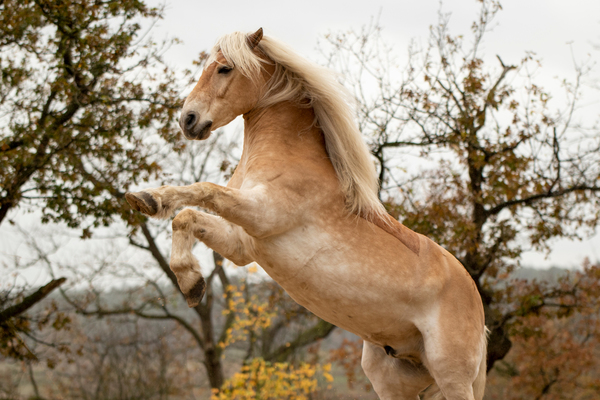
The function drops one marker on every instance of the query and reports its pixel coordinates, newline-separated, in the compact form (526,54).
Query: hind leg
(393,378)
(454,375)
(455,355)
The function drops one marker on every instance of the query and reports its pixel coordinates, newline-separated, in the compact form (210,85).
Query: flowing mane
(297,79)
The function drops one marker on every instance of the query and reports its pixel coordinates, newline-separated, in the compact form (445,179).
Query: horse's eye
(224,69)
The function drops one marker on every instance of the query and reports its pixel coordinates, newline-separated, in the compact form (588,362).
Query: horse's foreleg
(161,202)
(259,214)
(216,233)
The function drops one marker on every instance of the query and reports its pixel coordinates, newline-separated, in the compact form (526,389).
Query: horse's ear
(254,38)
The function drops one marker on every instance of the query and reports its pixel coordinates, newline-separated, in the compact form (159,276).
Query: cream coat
(414,305)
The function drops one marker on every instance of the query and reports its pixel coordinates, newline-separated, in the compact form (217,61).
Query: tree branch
(321,330)
(31,300)
(531,199)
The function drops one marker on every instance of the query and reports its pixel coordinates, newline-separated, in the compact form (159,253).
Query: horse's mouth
(201,131)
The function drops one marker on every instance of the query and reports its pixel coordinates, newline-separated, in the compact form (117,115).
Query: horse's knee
(184,220)
(192,221)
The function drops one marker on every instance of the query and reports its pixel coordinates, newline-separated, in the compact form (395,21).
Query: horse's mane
(297,79)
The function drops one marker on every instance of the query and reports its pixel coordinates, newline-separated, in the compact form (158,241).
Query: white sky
(542,26)
(553,29)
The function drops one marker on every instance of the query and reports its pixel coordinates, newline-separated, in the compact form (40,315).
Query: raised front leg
(259,214)
(218,234)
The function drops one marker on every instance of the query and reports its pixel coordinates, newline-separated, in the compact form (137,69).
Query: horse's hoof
(196,293)
(142,202)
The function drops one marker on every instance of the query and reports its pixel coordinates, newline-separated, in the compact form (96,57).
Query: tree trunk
(498,346)
(212,355)
(4,210)
(214,368)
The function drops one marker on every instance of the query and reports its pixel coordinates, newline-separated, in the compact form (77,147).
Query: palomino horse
(302,203)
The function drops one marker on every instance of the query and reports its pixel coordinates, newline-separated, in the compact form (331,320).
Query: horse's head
(224,91)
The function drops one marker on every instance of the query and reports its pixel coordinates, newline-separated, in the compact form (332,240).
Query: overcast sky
(553,29)
(543,26)
(550,28)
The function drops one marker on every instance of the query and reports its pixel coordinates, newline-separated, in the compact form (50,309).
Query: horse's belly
(353,289)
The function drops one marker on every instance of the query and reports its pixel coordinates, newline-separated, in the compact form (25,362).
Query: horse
(303,204)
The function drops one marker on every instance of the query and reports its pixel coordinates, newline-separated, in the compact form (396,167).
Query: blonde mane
(297,79)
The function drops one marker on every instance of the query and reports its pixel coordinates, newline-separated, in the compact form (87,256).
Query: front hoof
(196,293)
(142,202)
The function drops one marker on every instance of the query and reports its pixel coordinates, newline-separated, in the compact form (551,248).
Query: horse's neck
(274,133)
(281,125)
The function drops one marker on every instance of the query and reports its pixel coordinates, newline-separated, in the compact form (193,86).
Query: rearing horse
(302,203)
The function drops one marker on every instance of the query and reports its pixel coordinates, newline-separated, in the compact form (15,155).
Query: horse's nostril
(190,120)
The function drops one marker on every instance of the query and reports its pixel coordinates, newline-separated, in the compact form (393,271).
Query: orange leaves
(250,314)
(262,380)
(348,355)
(474,82)
(555,336)
(552,359)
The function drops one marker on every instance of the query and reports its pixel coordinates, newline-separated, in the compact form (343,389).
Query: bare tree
(495,168)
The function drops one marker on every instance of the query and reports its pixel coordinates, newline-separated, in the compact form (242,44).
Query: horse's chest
(294,259)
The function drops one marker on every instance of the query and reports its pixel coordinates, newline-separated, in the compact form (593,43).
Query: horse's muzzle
(192,128)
